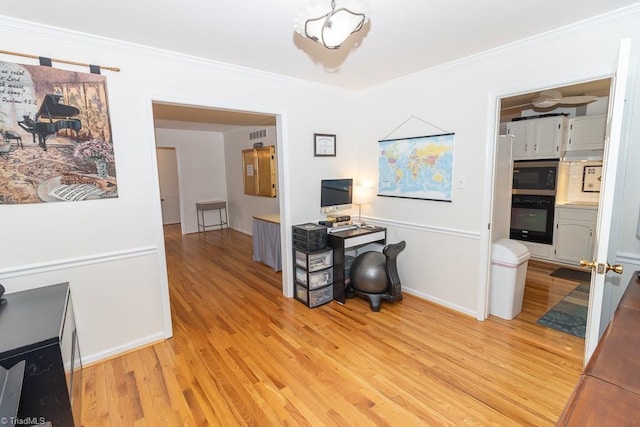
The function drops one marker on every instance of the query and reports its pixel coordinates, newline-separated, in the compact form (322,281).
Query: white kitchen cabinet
(522,133)
(538,138)
(574,233)
(539,250)
(586,133)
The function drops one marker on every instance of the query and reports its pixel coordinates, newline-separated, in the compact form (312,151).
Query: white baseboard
(439,301)
(121,349)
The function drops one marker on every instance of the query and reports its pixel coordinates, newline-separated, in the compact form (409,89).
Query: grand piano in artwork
(51,117)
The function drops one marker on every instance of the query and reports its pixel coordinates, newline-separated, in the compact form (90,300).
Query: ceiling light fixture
(331,28)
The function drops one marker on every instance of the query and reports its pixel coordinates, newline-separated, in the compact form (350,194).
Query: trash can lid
(509,251)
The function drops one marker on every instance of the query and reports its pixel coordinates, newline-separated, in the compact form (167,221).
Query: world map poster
(55,136)
(416,168)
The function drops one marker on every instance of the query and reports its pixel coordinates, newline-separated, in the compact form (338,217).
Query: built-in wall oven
(533,200)
(532,218)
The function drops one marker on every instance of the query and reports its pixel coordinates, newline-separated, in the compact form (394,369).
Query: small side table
(218,205)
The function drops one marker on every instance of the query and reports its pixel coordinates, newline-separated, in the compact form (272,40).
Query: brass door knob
(616,268)
(588,264)
(601,269)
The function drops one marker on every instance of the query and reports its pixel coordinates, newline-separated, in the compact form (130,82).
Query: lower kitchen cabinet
(574,234)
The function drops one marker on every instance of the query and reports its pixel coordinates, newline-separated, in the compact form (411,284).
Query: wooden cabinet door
(266,177)
(259,171)
(249,172)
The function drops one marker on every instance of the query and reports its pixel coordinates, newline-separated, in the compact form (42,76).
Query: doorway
(220,133)
(576,196)
(205,141)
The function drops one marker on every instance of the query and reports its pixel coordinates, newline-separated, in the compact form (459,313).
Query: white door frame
(493,120)
(282,149)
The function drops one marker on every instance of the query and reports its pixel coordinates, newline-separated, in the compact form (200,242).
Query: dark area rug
(570,314)
(571,274)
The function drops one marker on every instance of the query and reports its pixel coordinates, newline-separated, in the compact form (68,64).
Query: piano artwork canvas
(55,136)
(51,117)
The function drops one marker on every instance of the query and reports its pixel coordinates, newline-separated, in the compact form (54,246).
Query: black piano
(51,117)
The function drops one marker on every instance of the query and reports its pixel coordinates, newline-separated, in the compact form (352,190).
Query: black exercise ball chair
(374,275)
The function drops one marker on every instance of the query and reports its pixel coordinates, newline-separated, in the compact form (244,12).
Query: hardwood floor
(242,354)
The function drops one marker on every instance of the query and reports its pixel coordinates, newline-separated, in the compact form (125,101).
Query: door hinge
(489,226)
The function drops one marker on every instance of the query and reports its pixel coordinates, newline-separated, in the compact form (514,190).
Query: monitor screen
(335,192)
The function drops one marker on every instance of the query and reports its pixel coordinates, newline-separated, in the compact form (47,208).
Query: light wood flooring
(243,355)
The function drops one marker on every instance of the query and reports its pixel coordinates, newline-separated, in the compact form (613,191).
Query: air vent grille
(262,133)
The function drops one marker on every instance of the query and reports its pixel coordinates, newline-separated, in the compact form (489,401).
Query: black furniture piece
(374,275)
(51,117)
(37,327)
(346,246)
(9,135)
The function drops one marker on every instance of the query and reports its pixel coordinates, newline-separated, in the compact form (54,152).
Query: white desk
(210,205)
(266,240)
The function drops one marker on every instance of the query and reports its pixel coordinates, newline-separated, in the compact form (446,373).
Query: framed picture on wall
(324,145)
(591,179)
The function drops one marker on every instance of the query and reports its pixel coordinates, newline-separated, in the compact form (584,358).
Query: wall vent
(262,133)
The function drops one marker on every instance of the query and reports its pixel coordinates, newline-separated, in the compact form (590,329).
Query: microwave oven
(536,177)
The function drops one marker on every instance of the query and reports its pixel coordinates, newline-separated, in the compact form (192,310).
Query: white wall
(450,240)
(201,168)
(112,250)
(243,207)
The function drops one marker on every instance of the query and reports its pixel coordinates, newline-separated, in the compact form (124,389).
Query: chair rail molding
(24,270)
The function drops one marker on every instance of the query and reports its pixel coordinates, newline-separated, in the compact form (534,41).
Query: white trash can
(509,260)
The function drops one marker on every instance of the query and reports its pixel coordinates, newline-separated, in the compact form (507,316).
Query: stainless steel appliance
(532,218)
(535,177)
(533,200)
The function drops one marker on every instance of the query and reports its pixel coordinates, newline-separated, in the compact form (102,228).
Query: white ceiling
(402,37)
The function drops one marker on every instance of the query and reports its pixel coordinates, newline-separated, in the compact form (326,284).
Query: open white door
(169,189)
(603,241)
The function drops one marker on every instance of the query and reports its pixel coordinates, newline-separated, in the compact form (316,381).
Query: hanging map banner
(416,168)
(55,136)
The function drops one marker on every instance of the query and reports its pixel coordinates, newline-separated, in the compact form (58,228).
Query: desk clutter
(324,258)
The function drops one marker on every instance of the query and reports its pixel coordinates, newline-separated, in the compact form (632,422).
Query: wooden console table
(202,207)
(608,392)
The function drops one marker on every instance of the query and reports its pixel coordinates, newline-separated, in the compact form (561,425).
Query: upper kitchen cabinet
(538,138)
(586,133)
